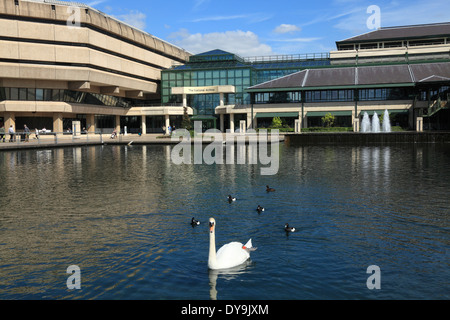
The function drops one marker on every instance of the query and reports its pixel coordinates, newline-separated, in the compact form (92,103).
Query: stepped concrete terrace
(68,140)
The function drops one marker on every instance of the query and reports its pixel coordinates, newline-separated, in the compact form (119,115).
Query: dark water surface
(122,214)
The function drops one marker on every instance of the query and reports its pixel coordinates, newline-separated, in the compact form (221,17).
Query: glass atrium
(218,67)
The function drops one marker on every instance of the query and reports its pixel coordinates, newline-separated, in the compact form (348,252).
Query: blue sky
(260,28)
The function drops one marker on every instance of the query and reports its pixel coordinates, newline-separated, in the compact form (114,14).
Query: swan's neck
(212,249)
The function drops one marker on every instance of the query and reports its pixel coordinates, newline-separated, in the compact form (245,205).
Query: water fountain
(386,122)
(375,123)
(365,124)
(374,126)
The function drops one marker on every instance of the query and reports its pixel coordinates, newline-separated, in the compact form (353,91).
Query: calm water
(122,214)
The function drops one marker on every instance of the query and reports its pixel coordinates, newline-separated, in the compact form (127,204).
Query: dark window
(47,95)
(366,46)
(56,95)
(346,47)
(384,94)
(430,42)
(393,44)
(31,94)
(14,93)
(3,94)
(328,95)
(39,94)
(22,94)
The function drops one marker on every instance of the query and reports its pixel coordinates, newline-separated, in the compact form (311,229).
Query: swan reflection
(226,274)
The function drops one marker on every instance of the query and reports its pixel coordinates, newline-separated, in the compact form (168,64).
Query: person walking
(27,133)
(2,133)
(11,133)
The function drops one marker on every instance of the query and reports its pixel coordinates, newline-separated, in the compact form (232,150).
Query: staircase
(437,106)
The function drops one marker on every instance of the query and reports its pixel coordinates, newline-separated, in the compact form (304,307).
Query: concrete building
(214,84)
(62,61)
(405,70)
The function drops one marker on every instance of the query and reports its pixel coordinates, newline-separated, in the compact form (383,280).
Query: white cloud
(249,18)
(220,18)
(286,28)
(297,40)
(134,18)
(198,3)
(243,43)
(95,3)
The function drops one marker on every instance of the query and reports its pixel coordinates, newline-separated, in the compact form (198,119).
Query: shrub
(328,120)
(276,123)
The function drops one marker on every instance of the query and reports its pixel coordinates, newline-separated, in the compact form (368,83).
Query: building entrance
(208,122)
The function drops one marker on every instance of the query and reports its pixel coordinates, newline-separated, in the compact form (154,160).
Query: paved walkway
(50,141)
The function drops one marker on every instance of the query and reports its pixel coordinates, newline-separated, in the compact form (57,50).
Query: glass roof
(223,64)
(215,55)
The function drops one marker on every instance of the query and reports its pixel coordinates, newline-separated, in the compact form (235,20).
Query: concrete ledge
(47,142)
(367,138)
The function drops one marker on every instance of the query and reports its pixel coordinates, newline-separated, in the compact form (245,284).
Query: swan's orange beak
(211,227)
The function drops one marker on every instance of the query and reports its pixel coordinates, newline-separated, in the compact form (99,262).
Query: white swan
(229,255)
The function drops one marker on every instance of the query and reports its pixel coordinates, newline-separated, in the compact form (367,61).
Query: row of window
(277,97)
(221,77)
(208,82)
(240,78)
(206,74)
(221,57)
(433,94)
(267,75)
(198,102)
(384,94)
(333,95)
(32,94)
(393,44)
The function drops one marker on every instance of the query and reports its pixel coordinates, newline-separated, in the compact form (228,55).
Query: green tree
(186,120)
(276,123)
(328,120)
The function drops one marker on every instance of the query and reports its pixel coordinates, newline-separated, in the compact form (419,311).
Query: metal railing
(277,58)
(288,57)
(52,138)
(437,105)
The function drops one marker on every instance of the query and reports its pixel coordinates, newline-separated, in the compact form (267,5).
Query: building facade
(405,70)
(62,61)
(214,84)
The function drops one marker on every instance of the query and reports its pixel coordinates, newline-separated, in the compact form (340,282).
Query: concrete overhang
(204,90)
(159,111)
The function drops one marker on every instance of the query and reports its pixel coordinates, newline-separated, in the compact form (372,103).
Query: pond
(122,215)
